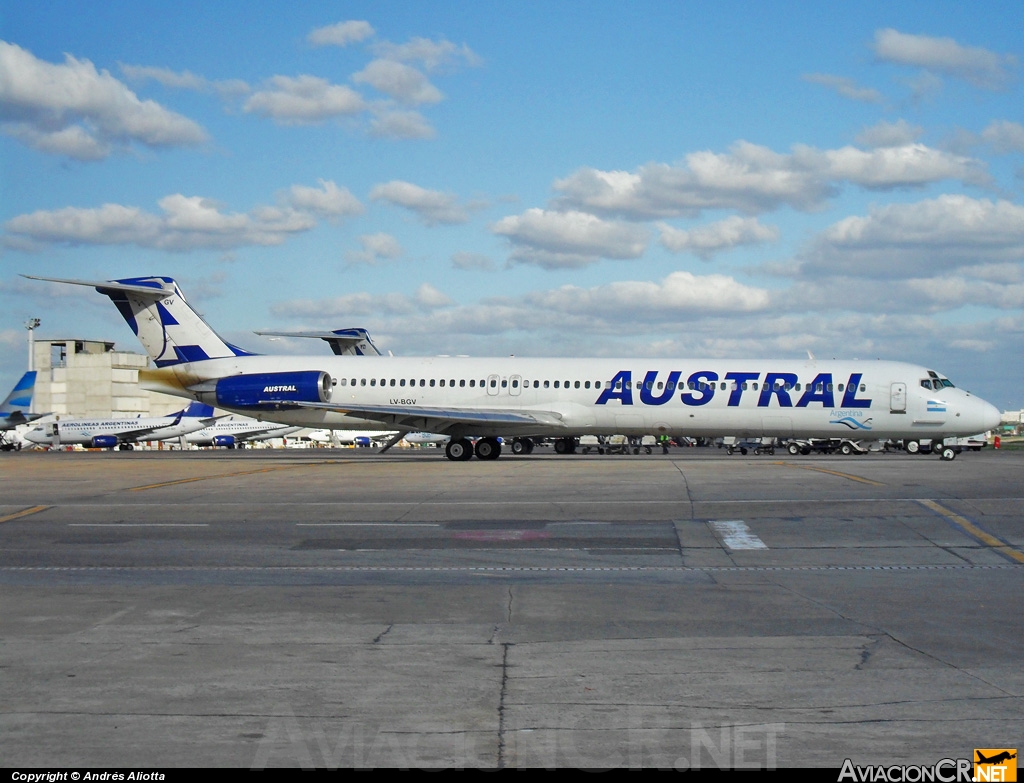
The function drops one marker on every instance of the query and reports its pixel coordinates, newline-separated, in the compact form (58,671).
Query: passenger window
(586,385)
(536,384)
(402,382)
(462,383)
(432,381)
(863,387)
(597,384)
(556,384)
(504,383)
(342,381)
(494,384)
(576,385)
(373,381)
(839,387)
(362,381)
(515,384)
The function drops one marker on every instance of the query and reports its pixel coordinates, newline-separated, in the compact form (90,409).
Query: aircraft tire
(458,450)
(793,449)
(488,448)
(846,449)
(564,446)
(912,447)
(948,454)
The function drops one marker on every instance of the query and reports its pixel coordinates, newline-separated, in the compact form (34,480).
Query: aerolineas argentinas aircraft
(522,398)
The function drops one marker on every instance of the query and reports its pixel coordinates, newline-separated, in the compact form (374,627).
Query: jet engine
(224,440)
(265,391)
(103,441)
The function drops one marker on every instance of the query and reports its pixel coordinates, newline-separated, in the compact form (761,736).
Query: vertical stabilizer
(18,402)
(166,325)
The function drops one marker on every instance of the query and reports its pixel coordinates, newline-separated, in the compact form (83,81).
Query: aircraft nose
(990,416)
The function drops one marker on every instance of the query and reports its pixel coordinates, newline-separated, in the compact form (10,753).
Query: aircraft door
(515,385)
(492,385)
(55,435)
(898,398)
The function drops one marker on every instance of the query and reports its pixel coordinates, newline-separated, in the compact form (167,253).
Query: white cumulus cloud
(304,100)
(402,82)
(713,238)
(431,206)
(341,34)
(72,109)
(328,200)
(978,66)
(569,239)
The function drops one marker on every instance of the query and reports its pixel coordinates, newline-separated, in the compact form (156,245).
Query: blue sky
(581,178)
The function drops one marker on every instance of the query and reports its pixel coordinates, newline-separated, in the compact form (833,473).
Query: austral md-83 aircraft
(519,398)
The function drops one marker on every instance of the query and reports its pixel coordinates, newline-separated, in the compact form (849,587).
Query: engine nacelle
(265,391)
(224,440)
(103,441)
(361,440)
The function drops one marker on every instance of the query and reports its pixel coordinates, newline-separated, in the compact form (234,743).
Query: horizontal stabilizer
(350,342)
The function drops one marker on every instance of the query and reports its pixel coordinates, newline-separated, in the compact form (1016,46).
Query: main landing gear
(486,448)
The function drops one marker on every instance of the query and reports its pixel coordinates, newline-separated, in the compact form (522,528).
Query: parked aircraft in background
(350,437)
(519,397)
(234,430)
(14,411)
(121,433)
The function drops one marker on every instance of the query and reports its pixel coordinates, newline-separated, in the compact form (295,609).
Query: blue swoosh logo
(853,424)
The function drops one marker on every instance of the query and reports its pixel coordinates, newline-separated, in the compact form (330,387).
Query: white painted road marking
(736,535)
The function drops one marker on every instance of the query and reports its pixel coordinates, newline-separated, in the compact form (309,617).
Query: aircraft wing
(17,418)
(140,432)
(426,419)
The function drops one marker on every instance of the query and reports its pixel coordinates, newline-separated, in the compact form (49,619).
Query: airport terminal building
(77,377)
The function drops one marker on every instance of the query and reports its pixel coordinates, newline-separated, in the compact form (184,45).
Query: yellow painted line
(228,475)
(831,472)
(23,513)
(974,531)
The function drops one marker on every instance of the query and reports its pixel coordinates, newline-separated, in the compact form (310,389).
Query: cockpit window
(947,384)
(925,383)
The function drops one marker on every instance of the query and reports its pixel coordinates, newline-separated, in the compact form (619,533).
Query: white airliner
(339,437)
(563,398)
(234,430)
(120,433)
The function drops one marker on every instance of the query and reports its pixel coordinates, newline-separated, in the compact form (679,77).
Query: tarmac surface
(335,608)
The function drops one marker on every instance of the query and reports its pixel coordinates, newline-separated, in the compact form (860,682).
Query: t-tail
(165,323)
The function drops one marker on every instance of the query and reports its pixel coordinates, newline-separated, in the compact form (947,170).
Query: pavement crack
(383,633)
(501,704)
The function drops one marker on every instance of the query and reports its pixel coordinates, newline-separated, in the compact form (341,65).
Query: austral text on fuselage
(701,386)
(275,389)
